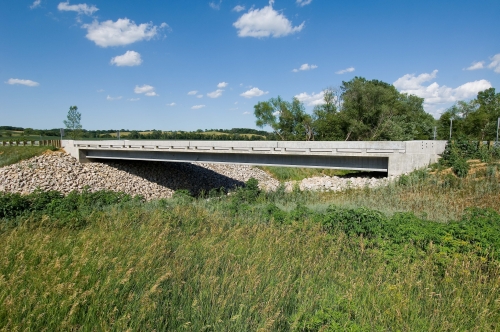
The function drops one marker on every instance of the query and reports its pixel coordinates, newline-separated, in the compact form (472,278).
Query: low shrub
(71,210)
(460,167)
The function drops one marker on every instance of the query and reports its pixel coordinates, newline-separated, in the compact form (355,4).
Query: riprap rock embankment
(59,171)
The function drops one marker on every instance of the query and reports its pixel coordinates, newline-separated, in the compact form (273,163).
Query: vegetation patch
(13,154)
(298,174)
(248,261)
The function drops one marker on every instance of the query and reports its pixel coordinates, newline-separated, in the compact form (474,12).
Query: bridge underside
(362,163)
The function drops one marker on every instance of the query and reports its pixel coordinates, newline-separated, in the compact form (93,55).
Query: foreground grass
(243,263)
(13,154)
(186,268)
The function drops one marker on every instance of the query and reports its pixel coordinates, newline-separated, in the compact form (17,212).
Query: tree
(489,107)
(375,110)
(134,134)
(325,116)
(475,119)
(73,123)
(288,120)
(28,131)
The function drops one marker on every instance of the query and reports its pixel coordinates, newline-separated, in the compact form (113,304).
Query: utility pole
(118,134)
(451,126)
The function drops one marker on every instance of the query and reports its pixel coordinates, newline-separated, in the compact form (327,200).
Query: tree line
(372,110)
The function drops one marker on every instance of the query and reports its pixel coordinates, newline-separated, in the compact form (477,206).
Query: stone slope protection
(153,180)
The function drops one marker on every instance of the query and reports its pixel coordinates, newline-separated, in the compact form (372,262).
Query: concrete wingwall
(393,157)
(418,154)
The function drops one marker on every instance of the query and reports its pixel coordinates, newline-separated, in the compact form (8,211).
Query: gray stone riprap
(59,171)
(334,183)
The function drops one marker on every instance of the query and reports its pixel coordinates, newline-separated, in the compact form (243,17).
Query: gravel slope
(59,171)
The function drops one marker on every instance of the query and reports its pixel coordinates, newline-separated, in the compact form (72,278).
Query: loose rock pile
(335,183)
(59,171)
(153,180)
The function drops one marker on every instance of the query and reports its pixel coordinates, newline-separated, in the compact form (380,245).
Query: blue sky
(188,65)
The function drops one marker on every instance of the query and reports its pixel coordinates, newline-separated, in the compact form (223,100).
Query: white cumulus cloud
(311,99)
(199,96)
(495,63)
(192,93)
(215,94)
(238,8)
(35,4)
(222,85)
(433,93)
(305,66)
(130,58)
(81,8)
(134,99)
(13,81)
(148,90)
(303,3)
(197,107)
(113,98)
(253,92)
(343,71)
(412,82)
(476,65)
(265,22)
(171,104)
(119,33)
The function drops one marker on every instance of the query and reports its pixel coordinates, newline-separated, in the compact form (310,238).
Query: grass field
(417,255)
(12,154)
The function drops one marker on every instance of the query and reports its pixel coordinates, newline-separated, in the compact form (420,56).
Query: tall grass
(439,197)
(239,264)
(253,261)
(12,154)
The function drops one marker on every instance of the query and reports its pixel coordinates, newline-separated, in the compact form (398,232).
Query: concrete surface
(393,157)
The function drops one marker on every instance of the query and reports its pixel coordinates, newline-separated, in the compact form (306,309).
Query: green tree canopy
(375,110)
(358,110)
(72,122)
(475,119)
(289,121)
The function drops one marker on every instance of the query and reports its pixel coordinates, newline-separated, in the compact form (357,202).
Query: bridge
(393,157)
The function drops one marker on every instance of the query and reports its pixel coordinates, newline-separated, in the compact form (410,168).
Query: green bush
(361,221)
(244,196)
(460,149)
(460,167)
(182,193)
(272,212)
(71,210)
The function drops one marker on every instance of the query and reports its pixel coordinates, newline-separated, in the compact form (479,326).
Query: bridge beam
(366,163)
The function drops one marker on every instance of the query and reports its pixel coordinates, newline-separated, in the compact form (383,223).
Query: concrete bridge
(393,157)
